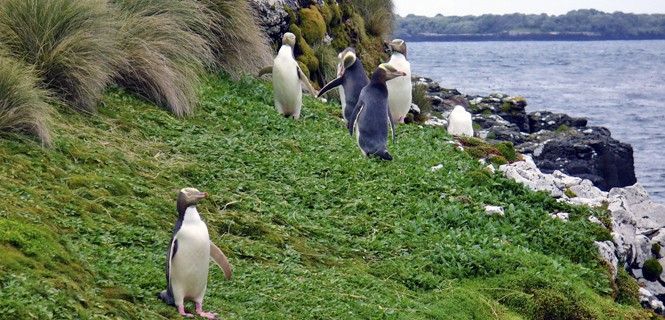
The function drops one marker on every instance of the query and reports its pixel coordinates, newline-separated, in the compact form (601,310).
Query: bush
(419,94)
(71,44)
(23,105)
(312,24)
(652,269)
(507,150)
(378,16)
(239,44)
(165,50)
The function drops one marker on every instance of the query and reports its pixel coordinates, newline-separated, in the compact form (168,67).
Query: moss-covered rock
(652,269)
(303,52)
(312,24)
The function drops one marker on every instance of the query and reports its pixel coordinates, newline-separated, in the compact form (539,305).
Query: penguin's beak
(395,74)
(201,195)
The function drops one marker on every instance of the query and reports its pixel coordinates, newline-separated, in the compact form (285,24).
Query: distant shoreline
(522,37)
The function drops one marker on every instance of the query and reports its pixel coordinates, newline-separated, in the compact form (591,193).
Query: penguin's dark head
(398,45)
(346,59)
(289,39)
(190,197)
(387,72)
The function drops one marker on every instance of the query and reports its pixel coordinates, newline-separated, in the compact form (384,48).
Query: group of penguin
(370,106)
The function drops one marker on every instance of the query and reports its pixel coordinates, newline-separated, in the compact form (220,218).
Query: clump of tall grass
(70,43)
(239,43)
(165,49)
(23,105)
(378,15)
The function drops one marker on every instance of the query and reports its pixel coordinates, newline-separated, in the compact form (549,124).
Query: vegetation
(70,43)
(652,269)
(23,105)
(307,221)
(627,289)
(584,22)
(419,97)
(378,16)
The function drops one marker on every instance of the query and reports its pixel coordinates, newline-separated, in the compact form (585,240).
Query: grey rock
(606,250)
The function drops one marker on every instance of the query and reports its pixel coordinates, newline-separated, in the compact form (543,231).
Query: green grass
(313,229)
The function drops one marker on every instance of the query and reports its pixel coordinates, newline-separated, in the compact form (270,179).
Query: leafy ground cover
(313,229)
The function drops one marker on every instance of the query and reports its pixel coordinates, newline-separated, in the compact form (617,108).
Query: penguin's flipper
(220,259)
(172,251)
(331,85)
(265,70)
(354,116)
(305,81)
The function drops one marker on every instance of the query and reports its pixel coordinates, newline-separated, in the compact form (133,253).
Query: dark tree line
(585,22)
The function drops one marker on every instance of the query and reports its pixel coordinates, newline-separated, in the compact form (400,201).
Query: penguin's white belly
(399,90)
(288,91)
(189,267)
(342,99)
(460,123)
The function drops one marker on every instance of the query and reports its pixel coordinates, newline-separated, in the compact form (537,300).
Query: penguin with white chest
(460,123)
(399,89)
(371,117)
(288,79)
(351,77)
(189,255)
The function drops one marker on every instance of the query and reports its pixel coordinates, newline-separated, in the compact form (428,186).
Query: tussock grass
(378,15)
(239,44)
(71,43)
(306,220)
(165,50)
(23,105)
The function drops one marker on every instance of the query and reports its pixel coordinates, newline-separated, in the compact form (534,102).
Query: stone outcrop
(637,223)
(557,142)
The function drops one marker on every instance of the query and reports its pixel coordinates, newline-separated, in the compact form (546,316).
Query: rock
(608,163)
(494,210)
(606,250)
(436,168)
(648,214)
(642,247)
(527,173)
(595,220)
(436,122)
(650,301)
(544,120)
(272,17)
(563,216)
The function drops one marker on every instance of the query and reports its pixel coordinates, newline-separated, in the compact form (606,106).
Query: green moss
(506,106)
(556,305)
(312,24)
(327,13)
(507,150)
(652,269)
(498,160)
(341,38)
(570,193)
(563,128)
(627,289)
(304,68)
(655,249)
(303,52)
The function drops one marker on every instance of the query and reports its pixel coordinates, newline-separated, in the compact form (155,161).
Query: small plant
(627,289)
(569,193)
(23,104)
(652,269)
(563,128)
(507,150)
(655,249)
(378,15)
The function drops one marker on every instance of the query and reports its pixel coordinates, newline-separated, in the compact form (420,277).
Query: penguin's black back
(355,79)
(372,120)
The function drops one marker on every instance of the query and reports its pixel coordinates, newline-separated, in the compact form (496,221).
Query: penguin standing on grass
(371,117)
(188,257)
(399,89)
(288,79)
(352,77)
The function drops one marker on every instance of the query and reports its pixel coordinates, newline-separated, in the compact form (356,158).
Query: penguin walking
(399,89)
(460,123)
(352,77)
(288,79)
(371,117)
(188,256)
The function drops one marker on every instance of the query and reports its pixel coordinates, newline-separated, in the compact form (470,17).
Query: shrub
(327,61)
(419,94)
(165,50)
(507,150)
(378,16)
(23,104)
(71,43)
(652,269)
(552,304)
(312,24)
(655,249)
(239,44)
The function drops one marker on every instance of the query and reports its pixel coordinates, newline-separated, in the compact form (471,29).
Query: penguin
(288,79)
(459,122)
(188,256)
(399,89)
(371,117)
(352,77)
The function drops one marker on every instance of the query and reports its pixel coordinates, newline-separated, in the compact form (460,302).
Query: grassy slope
(313,229)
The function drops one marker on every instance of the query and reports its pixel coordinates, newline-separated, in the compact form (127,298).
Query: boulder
(544,120)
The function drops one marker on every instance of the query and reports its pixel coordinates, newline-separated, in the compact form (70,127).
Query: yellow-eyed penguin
(352,79)
(460,123)
(371,117)
(399,89)
(188,257)
(288,79)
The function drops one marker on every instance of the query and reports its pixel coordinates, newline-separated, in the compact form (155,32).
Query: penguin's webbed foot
(204,314)
(182,312)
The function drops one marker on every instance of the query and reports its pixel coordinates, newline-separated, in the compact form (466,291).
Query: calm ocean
(616,84)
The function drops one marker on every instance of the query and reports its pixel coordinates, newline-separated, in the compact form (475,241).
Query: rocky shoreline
(576,164)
